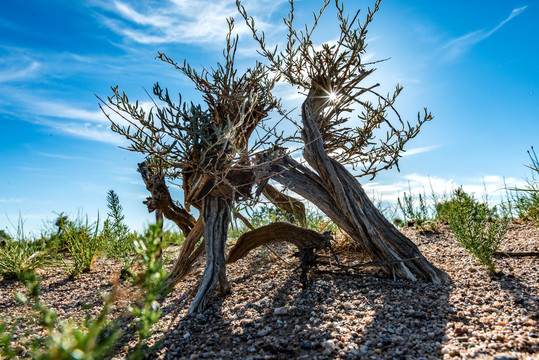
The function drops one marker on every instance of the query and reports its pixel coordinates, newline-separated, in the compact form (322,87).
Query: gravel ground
(269,315)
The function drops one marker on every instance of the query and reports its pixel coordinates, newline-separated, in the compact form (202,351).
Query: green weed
(19,254)
(83,242)
(118,241)
(94,338)
(476,226)
(149,249)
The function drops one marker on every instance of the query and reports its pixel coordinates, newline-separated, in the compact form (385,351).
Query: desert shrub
(153,280)
(415,211)
(93,338)
(319,222)
(476,226)
(118,241)
(84,242)
(19,254)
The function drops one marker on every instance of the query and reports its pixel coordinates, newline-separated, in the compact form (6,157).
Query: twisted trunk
(216,216)
(340,196)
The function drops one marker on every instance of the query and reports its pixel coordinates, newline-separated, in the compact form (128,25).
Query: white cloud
(491,185)
(56,156)
(20,74)
(460,45)
(419,150)
(60,110)
(182,21)
(10,201)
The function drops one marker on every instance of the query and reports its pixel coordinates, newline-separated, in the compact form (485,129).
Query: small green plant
(94,339)
(84,243)
(525,201)
(265,215)
(118,241)
(153,279)
(418,216)
(19,254)
(476,226)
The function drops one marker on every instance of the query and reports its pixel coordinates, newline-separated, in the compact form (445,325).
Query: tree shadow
(269,315)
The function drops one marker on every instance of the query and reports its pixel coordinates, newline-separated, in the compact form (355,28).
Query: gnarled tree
(219,162)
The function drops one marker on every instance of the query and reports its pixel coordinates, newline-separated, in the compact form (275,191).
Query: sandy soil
(270,316)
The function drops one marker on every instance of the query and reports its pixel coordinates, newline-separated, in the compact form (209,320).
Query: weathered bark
(340,196)
(216,216)
(161,200)
(188,254)
(302,238)
(286,203)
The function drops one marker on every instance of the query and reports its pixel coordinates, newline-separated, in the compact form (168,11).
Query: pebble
(280,311)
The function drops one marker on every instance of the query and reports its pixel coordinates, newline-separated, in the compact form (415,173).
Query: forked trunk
(216,216)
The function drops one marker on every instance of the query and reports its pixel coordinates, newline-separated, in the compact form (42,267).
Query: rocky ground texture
(338,316)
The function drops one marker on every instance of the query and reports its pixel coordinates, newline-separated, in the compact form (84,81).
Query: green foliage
(476,226)
(525,202)
(19,255)
(418,215)
(83,242)
(94,339)
(149,248)
(118,241)
(266,215)
(173,237)
(416,211)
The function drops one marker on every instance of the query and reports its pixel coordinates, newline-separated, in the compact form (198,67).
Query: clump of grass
(84,242)
(19,255)
(476,226)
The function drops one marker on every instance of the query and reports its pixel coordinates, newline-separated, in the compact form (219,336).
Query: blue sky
(472,64)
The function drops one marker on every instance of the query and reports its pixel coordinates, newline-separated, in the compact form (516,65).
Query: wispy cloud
(10,201)
(457,47)
(15,74)
(57,156)
(179,21)
(419,150)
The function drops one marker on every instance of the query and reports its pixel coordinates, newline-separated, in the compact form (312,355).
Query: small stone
(186,335)
(505,356)
(281,310)
(265,331)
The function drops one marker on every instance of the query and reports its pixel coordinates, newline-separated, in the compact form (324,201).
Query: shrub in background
(476,226)
(118,241)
